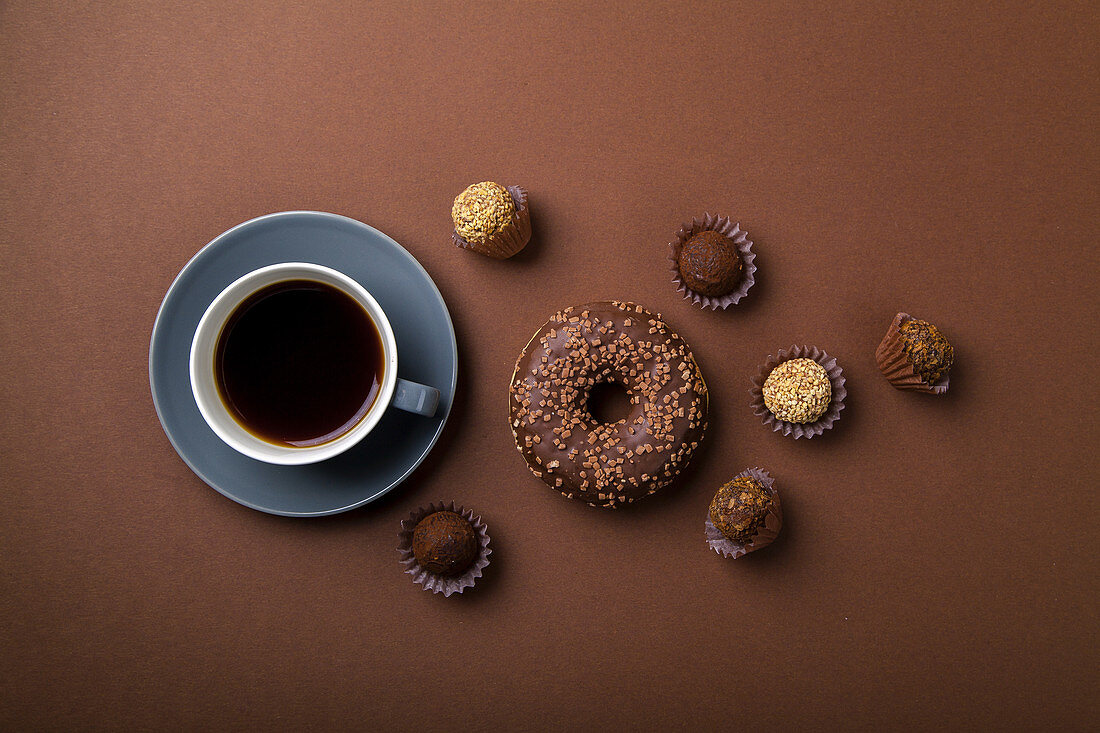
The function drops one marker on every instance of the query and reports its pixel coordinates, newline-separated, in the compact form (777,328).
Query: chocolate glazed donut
(607,464)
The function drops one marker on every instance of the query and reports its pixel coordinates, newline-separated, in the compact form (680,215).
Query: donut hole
(609,402)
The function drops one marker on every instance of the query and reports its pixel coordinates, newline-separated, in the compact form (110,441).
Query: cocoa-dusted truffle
(709,264)
(740,508)
(444,543)
(927,349)
(798,391)
(481,211)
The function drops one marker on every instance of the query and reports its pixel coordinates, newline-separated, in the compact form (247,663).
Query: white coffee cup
(394,392)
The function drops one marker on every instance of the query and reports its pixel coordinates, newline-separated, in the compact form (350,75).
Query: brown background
(939,563)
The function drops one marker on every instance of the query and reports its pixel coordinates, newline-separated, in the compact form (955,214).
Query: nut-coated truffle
(740,508)
(482,210)
(928,350)
(444,543)
(798,391)
(709,264)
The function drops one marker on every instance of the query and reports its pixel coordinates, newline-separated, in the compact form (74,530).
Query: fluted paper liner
(724,226)
(511,238)
(445,584)
(836,404)
(764,534)
(895,365)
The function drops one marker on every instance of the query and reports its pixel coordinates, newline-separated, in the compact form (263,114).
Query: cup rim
(203,383)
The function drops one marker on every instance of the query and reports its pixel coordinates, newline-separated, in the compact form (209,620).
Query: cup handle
(417,398)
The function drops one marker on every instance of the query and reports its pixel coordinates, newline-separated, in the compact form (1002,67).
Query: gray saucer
(426,348)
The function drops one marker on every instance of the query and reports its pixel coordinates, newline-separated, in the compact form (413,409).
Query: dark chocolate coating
(928,349)
(444,543)
(709,264)
(740,507)
(607,464)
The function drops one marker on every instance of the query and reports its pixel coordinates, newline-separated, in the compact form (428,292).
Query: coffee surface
(299,363)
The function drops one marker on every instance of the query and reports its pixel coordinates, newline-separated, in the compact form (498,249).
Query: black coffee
(298,363)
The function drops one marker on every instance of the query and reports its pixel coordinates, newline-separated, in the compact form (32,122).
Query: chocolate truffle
(740,508)
(444,543)
(481,211)
(709,264)
(928,350)
(798,391)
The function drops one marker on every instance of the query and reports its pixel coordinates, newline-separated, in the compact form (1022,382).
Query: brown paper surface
(938,158)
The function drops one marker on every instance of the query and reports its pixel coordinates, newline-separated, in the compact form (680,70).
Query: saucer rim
(305,467)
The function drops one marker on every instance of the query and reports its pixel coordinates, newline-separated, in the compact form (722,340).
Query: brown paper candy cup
(800,430)
(513,237)
(895,365)
(764,535)
(724,226)
(445,584)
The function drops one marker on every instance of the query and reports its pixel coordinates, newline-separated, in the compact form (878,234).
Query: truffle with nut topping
(709,263)
(607,464)
(798,391)
(492,219)
(482,210)
(927,349)
(740,508)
